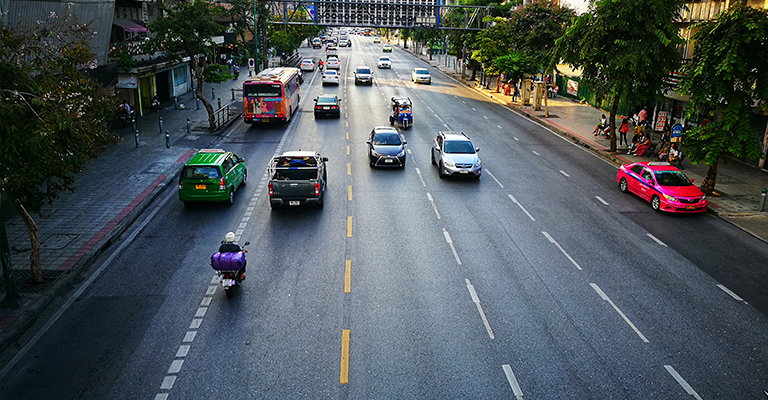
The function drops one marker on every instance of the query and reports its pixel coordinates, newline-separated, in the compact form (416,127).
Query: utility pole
(255,40)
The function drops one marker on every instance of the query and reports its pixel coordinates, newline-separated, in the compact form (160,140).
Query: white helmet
(229,237)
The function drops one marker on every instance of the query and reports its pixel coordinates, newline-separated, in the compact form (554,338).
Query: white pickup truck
(297,178)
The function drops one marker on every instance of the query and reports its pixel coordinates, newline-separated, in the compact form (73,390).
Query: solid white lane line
(682,382)
(564,173)
(536,152)
(450,243)
(434,207)
(494,178)
(553,241)
(655,239)
(601,200)
(521,207)
(624,317)
(476,300)
(418,172)
(730,293)
(512,381)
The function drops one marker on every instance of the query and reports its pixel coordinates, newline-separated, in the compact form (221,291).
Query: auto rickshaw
(401,112)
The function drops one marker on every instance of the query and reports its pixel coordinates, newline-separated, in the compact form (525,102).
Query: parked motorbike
(230,267)
(156,105)
(124,118)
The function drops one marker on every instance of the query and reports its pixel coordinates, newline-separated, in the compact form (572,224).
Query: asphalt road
(539,280)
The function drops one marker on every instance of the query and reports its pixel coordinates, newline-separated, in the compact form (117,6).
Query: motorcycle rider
(229,246)
(156,103)
(320,64)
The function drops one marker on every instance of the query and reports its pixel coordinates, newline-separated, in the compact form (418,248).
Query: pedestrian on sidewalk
(600,125)
(641,116)
(623,129)
(517,91)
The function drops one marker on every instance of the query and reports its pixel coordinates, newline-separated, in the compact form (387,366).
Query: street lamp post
(255,41)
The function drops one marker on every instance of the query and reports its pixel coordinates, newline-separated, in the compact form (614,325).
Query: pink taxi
(664,186)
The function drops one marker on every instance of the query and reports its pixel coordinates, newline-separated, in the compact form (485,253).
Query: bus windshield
(262,90)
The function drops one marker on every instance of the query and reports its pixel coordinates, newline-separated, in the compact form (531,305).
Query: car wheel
(187,204)
(320,204)
(440,170)
(655,203)
(432,157)
(231,199)
(274,206)
(623,185)
(245,178)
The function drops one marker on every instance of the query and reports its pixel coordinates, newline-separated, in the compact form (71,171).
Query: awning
(128,26)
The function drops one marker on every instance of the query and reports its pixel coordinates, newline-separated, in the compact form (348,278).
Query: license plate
(265,120)
(388,160)
(200,187)
(690,207)
(326,108)
(463,171)
(227,282)
(294,203)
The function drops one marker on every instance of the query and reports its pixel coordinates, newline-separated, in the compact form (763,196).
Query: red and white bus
(272,95)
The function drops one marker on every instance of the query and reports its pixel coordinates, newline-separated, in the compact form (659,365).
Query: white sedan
(307,65)
(384,62)
(333,63)
(330,78)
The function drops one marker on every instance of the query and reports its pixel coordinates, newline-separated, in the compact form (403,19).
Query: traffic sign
(677,131)
(251,64)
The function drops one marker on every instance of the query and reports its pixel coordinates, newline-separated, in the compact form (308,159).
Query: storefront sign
(661,121)
(127,82)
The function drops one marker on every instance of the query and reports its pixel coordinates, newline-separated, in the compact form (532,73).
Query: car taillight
(334,107)
(180,185)
(318,107)
(269,187)
(222,185)
(317,188)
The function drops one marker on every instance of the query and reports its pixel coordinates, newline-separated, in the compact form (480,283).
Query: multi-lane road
(540,280)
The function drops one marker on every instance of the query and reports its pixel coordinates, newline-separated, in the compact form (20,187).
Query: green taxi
(212,175)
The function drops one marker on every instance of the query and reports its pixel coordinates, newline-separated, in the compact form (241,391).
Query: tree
(53,116)
(186,31)
(726,78)
(625,49)
(534,28)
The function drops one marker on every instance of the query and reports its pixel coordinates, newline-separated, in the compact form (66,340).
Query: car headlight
(448,163)
(478,163)
(703,197)
(670,198)
(374,153)
(401,153)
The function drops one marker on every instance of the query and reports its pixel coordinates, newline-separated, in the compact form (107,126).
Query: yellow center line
(346,124)
(349,169)
(349,192)
(347,275)
(344,370)
(347,135)
(349,226)
(346,115)
(347,150)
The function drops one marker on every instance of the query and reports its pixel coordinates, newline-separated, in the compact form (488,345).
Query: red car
(663,185)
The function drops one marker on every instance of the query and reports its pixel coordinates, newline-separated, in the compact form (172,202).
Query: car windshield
(458,147)
(200,172)
(671,178)
(326,100)
(383,59)
(363,71)
(422,72)
(262,90)
(405,108)
(387,139)
(330,73)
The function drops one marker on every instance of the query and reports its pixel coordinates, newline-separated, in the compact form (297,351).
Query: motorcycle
(230,267)
(156,105)
(125,118)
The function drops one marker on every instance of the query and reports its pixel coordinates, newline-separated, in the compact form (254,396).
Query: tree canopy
(53,116)
(626,49)
(726,77)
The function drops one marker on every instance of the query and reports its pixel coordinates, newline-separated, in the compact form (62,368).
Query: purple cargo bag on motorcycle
(227,261)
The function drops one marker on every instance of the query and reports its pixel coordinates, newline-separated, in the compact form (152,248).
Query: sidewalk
(739,185)
(110,194)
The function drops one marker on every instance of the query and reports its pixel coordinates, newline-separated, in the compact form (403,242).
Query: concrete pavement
(739,185)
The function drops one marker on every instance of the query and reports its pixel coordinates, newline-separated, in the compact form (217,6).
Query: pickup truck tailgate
(297,189)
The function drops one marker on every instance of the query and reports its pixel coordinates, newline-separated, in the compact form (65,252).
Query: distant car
(421,75)
(386,48)
(330,78)
(327,105)
(363,75)
(384,62)
(212,175)
(377,40)
(386,148)
(333,63)
(307,65)
(343,43)
(664,186)
(454,154)
(317,43)
(332,51)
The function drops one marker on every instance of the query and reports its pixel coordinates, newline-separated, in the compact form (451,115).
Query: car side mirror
(691,180)
(477,149)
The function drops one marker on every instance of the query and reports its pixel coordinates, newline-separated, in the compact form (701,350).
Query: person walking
(623,129)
